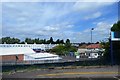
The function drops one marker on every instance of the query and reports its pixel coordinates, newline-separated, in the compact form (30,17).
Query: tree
(67,41)
(6,40)
(29,41)
(116,26)
(67,44)
(48,42)
(44,41)
(36,41)
(15,40)
(9,40)
(57,41)
(97,43)
(59,50)
(63,49)
(107,51)
(51,40)
(61,41)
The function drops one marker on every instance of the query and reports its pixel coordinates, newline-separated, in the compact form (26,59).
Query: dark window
(117,34)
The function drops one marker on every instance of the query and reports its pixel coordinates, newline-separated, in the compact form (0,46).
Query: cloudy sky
(60,20)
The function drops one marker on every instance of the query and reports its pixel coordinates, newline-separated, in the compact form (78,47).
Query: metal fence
(8,66)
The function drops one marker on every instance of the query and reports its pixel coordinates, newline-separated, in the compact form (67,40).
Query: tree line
(9,40)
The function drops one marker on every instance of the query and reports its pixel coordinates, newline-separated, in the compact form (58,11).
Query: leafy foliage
(107,51)
(9,40)
(63,49)
(116,26)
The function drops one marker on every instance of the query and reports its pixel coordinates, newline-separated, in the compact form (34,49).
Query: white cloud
(21,19)
(59,0)
(86,31)
(102,29)
(56,20)
(100,32)
(102,26)
(98,0)
(91,5)
(51,28)
(92,16)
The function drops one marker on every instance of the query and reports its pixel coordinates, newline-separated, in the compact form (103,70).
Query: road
(86,73)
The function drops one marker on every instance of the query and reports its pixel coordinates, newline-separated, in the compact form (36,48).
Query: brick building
(19,54)
(13,54)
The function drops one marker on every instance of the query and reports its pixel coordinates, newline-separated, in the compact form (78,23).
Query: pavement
(80,73)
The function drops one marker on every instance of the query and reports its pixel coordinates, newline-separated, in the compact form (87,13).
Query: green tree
(59,50)
(29,41)
(9,40)
(63,49)
(61,42)
(44,41)
(36,40)
(51,40)
(107,51)
(15,40)
(57,41)
(116,26)
(48,41)
(67,44)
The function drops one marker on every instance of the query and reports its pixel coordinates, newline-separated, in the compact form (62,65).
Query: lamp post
(91,40)
(91,33)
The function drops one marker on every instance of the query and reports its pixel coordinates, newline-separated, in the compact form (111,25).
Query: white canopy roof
(42,55)
(15,50)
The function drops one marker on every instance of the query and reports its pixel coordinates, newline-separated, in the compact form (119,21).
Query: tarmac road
(81,73)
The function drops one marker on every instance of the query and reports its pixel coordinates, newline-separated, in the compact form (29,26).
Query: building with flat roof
(21,54)
(32,46)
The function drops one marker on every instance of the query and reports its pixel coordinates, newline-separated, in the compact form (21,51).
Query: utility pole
(91,41)
(91,36)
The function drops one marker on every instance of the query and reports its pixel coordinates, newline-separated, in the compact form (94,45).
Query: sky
(61,20)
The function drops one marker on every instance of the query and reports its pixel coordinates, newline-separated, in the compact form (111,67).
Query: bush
(63,49)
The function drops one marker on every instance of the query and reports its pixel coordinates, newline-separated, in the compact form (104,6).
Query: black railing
(49,64)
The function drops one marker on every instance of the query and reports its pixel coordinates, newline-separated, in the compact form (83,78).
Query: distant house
(94,46)
(90,51)
(82,53)
(75,44)
(83,46)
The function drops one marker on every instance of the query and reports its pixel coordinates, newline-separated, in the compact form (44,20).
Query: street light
(91,38)
(91,34)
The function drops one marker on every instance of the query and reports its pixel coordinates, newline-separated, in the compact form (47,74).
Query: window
(117,34)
